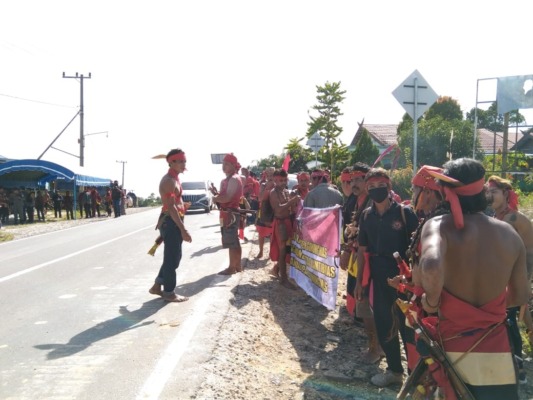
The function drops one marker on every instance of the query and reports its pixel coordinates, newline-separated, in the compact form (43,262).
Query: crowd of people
(441,278)
(21,205)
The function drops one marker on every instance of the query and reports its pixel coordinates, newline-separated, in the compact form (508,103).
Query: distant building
(385,135)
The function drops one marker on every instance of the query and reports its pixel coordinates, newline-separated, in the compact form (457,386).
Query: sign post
(416,96)
(316,142)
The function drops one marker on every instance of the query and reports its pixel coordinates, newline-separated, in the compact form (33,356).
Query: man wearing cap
(472,267)
(171,227)
(384,228)
(229,199)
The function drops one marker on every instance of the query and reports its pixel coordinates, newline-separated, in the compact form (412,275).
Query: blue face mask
(378,194)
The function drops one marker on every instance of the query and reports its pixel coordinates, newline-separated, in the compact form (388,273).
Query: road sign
(415,95)
(316,142)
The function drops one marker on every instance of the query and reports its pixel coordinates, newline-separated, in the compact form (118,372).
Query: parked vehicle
(198,194)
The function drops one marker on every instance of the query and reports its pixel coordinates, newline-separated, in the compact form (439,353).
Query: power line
(36,101)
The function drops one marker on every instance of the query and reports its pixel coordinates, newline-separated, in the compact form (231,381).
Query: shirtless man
(171,227)
(264,227)
(504,201)
(472,267)
(229,199)
(282,204)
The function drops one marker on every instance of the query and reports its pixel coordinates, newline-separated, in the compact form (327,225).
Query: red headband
(319,174)
(461,189)
(302,175)
(346,177)
(512,199)
(177,156)
(424,179)
(230,158)
(357,174)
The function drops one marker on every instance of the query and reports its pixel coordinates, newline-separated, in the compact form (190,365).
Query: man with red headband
(302,188)
(171,227)
(229,199)
(384,228)
(504,201)
(282,204)
(472,268)
(360,309)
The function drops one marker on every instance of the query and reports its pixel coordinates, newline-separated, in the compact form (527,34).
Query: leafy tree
(365,151)
(300,155)
(271,161)
(434,147)
(151,201)
(329,97)
(446,107)
(491,120)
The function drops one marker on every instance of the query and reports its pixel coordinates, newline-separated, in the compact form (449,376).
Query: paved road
(79,323)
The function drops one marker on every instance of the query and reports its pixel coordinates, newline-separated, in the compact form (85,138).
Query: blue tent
(38,172)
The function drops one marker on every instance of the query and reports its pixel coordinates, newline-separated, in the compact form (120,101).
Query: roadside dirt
(277,343)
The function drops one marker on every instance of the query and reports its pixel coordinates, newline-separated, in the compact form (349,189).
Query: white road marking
(36,267)
(164,368)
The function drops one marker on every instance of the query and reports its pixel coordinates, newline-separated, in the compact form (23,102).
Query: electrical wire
(37,101)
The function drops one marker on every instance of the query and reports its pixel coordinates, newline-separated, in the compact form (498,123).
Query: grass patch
(5,236)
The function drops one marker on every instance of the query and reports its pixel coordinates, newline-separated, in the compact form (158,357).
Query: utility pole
(123,162)
(82,139)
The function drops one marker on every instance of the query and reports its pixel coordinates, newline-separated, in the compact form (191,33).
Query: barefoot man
(229,198)
(171,227)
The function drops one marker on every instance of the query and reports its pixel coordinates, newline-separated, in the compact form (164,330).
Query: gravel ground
(277,343)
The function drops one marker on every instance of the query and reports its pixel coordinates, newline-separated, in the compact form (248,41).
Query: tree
(435,143)
(329,97)
(271,161)
(442,134)
(491,120)
(300,156)
(447,108)
(365,151)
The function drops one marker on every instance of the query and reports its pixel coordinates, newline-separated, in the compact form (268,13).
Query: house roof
(387,134)
(487,144)
(384,134)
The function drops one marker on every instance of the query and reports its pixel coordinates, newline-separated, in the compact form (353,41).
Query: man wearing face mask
(384,228)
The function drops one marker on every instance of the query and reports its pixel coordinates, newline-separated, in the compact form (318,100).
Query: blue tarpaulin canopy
(39,172)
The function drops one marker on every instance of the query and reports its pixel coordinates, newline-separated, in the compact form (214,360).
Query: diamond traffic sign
(415,95)
(316,142)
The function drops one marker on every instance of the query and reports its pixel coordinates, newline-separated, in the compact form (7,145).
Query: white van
(198,194)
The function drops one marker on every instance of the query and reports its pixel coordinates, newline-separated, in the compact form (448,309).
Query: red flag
(285,165)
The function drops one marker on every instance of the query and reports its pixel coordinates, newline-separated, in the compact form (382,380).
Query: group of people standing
(466,279)
(23,203)
(463,274)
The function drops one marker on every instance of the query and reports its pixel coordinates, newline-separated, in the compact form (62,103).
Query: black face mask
(378,194)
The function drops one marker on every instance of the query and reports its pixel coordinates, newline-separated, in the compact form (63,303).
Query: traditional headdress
(230,158)
(459,189)
(425,180)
